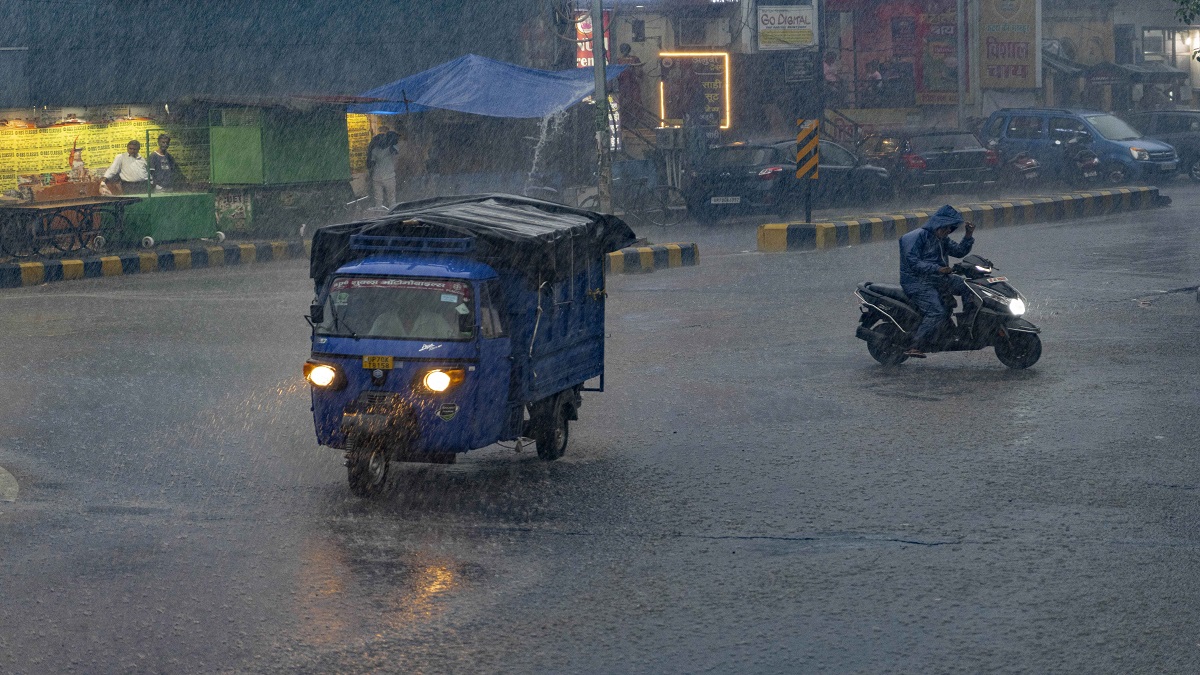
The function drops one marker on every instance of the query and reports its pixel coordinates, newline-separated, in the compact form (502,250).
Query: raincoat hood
(947,216)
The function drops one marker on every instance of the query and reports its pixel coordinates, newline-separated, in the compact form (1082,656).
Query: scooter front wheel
(366,468)
(1019,350)
(886,352)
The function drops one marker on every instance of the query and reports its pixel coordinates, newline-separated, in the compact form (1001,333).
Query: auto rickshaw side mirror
(316,314)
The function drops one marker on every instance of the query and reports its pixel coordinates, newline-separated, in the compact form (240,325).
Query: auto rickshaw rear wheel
(366,468)
(550,430)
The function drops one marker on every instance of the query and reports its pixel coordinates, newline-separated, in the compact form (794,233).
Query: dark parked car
(931,159)
(1180,128)
(746,178)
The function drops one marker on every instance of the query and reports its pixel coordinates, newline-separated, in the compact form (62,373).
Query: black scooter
(992,318)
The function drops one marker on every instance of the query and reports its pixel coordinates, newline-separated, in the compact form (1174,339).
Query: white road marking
(8,486)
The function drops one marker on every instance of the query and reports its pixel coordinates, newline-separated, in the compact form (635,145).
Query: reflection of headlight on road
(322,376)
(1016,306)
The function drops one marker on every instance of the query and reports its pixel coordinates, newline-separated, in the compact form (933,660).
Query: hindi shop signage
(694,88)
(584,58)
(787,27)
(1009,49)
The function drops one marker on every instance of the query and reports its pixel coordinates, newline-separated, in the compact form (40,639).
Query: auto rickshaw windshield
(399,308)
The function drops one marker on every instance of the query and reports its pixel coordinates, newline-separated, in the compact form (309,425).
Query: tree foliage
(1188,10)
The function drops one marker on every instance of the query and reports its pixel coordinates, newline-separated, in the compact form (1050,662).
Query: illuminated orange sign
(694,87)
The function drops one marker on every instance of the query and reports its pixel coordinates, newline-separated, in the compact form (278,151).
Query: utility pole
(604,185)
(960,43)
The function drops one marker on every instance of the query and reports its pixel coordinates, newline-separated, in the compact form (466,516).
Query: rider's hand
(970,229)
(944,270)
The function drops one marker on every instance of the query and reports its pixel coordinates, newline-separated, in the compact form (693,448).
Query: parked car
(746,178)
(1180,128)
(924,159)
(1124,153)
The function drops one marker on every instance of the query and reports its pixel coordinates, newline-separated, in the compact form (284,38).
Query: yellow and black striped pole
(808,159)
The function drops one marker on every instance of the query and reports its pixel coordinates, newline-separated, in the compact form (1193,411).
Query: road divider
(182,258)
(15,274)
(777,237)
(637,259)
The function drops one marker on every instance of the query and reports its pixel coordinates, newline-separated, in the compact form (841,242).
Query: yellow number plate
(377,362)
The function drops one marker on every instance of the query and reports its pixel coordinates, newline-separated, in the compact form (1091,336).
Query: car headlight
(440,380)
(1140,154)
(323,375)
(1016,306)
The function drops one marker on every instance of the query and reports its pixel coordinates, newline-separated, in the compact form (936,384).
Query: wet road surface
(751,494)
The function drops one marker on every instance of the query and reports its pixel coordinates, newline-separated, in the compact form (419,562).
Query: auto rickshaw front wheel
(366,468)
(550,430)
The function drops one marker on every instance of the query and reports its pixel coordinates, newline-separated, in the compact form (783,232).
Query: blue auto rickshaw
(454,323)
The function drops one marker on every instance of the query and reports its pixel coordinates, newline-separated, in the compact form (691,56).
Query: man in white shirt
(128,170)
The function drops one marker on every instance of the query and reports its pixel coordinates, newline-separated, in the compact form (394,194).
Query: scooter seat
(889,291)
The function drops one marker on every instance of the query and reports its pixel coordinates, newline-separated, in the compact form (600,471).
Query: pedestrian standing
(128,170)
(164,170)
(381,164)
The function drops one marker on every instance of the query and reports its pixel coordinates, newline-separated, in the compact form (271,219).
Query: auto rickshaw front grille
(381,401)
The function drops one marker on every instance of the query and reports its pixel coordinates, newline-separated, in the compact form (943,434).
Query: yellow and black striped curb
(776,237)
(184,258)
(649,258)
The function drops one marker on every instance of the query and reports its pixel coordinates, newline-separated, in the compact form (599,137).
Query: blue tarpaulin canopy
(482,86)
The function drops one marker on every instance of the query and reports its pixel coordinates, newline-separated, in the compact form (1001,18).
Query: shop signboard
(695,85)
(1009,53)
(787,27)
(584,58)
(937,61)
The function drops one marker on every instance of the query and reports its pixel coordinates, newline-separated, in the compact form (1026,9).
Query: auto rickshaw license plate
(377,362)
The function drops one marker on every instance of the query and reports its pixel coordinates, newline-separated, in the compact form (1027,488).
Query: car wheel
(1115,173)
(701,211)
(1193,170)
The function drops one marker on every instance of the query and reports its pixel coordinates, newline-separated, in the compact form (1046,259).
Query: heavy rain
(847,336)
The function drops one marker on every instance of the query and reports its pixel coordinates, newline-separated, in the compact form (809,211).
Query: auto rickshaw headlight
(323,375)
(440,380)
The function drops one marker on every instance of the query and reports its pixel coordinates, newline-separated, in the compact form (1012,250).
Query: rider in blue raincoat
(925,272)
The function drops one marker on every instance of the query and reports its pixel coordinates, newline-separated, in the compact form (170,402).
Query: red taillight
(770,172)
(992,158)
(916,162)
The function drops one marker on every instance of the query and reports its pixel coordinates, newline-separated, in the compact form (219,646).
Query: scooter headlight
(323,375)
(440,380)
(1016,306)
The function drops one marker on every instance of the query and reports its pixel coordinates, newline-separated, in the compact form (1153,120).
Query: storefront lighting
(727,120)
(662,104)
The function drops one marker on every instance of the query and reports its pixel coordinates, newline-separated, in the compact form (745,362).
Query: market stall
(65,225)
(279,165)
(53,197)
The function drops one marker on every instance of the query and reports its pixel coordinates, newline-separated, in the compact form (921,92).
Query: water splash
(549,127)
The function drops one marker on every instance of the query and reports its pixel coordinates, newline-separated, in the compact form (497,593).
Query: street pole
(604,183)
(819,76)
(960,43)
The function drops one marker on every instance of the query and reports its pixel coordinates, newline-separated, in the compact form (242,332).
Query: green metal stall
(275,168)
(169,216)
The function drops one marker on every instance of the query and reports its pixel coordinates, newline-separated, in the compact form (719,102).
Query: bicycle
(639,201)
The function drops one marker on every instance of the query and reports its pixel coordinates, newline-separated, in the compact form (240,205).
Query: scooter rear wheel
(1019,350)
(886,352)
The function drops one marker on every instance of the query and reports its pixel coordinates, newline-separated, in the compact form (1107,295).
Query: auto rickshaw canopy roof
(542,240)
